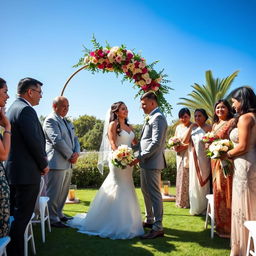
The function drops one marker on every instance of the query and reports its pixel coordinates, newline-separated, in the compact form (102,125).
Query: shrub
(86,174)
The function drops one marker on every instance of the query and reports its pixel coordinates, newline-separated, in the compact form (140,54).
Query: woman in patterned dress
(244,181)
(4,151)
(182,162)
(222,186)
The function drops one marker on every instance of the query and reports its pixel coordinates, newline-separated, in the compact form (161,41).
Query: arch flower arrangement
(131,65)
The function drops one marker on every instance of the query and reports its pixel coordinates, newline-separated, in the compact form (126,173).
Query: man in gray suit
(62,148)
(152,161)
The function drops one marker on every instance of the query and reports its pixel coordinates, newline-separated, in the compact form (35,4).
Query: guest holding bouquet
(182,163)
(199,164)
(243,136)
(222,185)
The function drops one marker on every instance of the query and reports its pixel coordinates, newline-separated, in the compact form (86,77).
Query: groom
(152,161)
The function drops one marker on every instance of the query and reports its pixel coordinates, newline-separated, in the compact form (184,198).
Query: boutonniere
(147,118)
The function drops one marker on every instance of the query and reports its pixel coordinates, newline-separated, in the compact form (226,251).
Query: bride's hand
(134,162)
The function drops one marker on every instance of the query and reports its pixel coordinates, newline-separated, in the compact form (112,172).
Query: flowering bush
(122,156)
(174,141)
(216,151)
(134,68)
(209,137)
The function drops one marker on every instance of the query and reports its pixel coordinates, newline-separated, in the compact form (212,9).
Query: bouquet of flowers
(122,156)
(209,137)
(217,149)
(173,142)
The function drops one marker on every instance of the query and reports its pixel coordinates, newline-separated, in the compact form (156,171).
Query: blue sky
(44,39)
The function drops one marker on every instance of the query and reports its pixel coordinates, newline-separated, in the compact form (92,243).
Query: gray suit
(61,143)
(152,161)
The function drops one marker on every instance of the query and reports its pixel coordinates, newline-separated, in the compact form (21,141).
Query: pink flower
(92,54)
(118,59)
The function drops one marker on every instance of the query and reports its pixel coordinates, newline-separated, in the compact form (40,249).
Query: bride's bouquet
(217,149)
(122,156)
(174,142)
(209,137)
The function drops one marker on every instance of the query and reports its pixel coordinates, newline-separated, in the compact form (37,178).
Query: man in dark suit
(27,160)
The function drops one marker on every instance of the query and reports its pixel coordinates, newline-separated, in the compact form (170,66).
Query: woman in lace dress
(114,213)
(182,162)
(222,186)
(199,164)
(244,181)
(5,142)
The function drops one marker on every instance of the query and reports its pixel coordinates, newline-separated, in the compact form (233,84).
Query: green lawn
(184,235)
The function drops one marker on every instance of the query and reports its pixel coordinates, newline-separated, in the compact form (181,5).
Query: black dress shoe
(59,225)
(64,219)
(147,225)
(153,234)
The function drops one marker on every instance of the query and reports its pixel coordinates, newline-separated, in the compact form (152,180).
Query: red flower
(92,54)
(136,64)
(144,70)
(137,77)
(145,87)
(129,74)
(101,66)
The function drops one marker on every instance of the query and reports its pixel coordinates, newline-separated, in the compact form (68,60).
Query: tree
(205,96)
(84,124)
(92,139)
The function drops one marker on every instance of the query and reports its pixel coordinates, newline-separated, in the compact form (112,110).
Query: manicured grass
(184,236)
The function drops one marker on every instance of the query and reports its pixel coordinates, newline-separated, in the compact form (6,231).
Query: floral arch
(131,65)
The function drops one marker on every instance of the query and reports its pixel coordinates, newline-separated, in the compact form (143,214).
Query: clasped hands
(73,158)
(134,162)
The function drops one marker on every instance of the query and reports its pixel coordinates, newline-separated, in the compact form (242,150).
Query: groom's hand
(134,162)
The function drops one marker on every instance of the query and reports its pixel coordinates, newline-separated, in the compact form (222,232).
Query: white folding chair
(29,235)
(3,243)
(251,226)
(42,211)
(210,213)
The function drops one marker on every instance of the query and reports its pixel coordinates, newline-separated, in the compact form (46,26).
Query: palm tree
(205,96)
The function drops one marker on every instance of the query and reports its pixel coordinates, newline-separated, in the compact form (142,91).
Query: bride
(114,213)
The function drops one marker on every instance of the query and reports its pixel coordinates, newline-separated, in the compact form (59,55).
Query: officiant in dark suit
(27,160)
(62,149)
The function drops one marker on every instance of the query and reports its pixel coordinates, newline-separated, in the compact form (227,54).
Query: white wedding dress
(114,213)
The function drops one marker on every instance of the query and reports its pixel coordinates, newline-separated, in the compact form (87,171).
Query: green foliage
(205,96)
(86,174)
(89,131)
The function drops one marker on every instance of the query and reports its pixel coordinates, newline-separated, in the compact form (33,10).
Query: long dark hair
(246,96)
(230,111)
(113,116)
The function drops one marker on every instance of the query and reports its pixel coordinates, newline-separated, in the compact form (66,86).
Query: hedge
(86,174)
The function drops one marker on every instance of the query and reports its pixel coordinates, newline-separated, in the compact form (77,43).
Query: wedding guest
(62,149)
(199,164)
(182,162)
(27,160)
(5,140)
(243,136)
(222,185)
